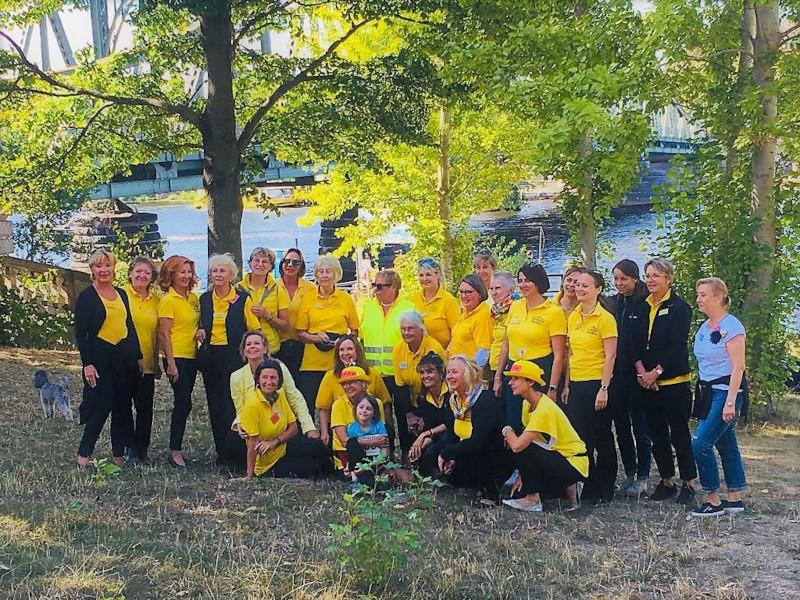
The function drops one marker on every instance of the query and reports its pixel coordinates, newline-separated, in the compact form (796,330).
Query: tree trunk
(765,150)
(222,163)
(744,71)
(444,189)
(586,222)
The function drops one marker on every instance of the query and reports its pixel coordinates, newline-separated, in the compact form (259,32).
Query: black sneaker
(708,510)
(686,497)
(662,492)
(732,507)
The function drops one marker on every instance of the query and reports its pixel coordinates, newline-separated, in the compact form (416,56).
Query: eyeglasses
(291,262)
(380,286)
(466,292)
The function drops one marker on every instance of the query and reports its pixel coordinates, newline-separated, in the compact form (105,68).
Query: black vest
(235,325)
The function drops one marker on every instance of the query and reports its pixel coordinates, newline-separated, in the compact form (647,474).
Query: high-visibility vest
(381,332)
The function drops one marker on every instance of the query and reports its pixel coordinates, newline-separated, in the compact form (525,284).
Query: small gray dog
(52,394)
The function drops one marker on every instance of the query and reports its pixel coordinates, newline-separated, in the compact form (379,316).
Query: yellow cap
(527,370)
(353,374)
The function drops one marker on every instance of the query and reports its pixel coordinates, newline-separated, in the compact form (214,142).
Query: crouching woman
(273,446)
(549,455)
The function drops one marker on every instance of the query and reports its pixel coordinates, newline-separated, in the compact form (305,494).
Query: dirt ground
(152,532)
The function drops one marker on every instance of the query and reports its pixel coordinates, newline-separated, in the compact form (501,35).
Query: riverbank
(156,533)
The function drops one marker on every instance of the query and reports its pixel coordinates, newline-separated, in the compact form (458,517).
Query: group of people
(500,386)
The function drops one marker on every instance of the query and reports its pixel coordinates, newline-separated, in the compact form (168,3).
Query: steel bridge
(106,28)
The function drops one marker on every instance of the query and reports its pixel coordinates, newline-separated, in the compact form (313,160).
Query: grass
(152,532)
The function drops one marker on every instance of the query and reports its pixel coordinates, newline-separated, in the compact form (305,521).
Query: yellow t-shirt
(498,335)
(342,414)
(472,332)
(185,315)
(334,314)
(144,313)
(219,335)
(330,389)
(549,419)
(303,287)
(586,335)
(462,425)
(114,328)
(440,314)
(277,299)
(405,362)
(261,419)
(530,331)
(654,310)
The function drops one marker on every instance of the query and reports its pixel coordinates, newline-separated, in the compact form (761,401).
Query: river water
(630,236)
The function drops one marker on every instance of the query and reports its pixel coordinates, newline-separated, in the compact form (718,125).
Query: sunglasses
(291,262)
(428,262)
(380,286)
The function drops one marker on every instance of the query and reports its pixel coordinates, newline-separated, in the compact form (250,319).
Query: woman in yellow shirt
(273,446)
(484,265)
(438,307)
(111,359)
(270,301)
(292,280)
(323,317)
(592,334)
(472,335)
(536,330)
(566,298)
(225,314)
(144,311)
(550,456)
(178,324)
(348,351)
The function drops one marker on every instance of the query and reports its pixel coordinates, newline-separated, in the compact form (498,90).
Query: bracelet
(552,388)
(504,430)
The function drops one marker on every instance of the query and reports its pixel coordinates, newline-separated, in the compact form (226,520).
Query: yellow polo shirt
(185,315)
(144,312)
(530,331)
(219,336)
(342,414)
(655,309)
(114,328)
(440,314)
(334,314)
(472,332)
(405,362)
(272,298)
(550,420)
(330,389)
(498,335)
(586,335)
(261,419)
(303,287)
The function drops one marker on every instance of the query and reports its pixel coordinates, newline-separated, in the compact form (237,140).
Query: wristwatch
(604,387)
(659,370)
(552,388)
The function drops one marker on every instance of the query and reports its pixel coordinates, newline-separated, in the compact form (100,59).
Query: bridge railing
(52,289)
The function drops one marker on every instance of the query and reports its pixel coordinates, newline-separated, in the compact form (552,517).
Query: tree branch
(84,130)
(249,129)
(252,23)
(785,35)
(186,113)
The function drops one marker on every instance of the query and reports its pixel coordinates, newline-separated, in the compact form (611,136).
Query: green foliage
(378,533)
(24,324)
(103,471)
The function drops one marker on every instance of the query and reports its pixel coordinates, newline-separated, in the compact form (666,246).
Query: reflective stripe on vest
(381,333)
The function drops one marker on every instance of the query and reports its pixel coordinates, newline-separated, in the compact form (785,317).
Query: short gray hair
(663,265)
(505,278)
(330,261)
(226,260)
(413,317)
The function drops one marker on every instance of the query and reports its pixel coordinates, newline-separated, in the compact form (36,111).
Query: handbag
(328,346)
(203,355)
(703,394)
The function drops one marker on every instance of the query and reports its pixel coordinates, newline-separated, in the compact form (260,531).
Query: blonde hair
(250,333)
(718,287)
(472,373)
(330,261)
(99,255)
(218,260)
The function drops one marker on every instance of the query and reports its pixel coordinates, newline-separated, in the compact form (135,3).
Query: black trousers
(401,404)
(143,422)
(594,428)
(221,411)
(308,383)
(291,354)
(513,403)
(182,392)
(356,453)
(545,472)
(484,471)
(630,425)
(304,459)
(429,461)
(668,411)
(116,378)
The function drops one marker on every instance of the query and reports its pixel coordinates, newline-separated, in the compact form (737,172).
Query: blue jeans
(713,431)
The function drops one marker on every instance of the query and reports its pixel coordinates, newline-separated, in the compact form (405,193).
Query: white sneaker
(636,489)
(517,505)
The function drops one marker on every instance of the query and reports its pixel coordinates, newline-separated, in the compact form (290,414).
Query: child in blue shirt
(367,438)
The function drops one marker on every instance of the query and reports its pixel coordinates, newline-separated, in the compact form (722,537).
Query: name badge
(403,365)
(662,312)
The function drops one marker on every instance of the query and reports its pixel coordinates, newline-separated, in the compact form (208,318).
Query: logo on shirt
(593,330)
(536,320)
